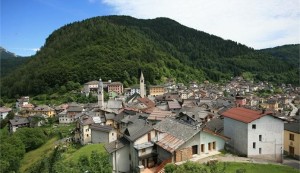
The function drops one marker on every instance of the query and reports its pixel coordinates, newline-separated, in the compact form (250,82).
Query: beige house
(292,139)
(43,109)
(156,90)
(83,131)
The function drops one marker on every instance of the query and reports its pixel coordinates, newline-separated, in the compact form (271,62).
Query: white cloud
(256,23)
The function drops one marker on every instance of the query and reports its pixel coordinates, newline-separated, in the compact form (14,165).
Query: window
(259,150)
(143,150)
(291,137)
(260,137)
(112,134)
(254,144)
(253,126)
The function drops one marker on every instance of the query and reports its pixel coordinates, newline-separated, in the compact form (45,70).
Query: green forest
(118,47)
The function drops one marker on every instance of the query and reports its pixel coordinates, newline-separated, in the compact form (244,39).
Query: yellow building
(44,109)
(292,139)
(156,90)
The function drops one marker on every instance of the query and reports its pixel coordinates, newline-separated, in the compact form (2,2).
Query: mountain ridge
(115,47)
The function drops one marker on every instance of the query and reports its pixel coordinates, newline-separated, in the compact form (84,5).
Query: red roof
(147,102)
(244,115)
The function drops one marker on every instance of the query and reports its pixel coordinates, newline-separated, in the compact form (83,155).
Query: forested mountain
(9,61)
(115,47)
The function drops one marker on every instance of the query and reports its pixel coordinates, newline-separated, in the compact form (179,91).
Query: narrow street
(295,109)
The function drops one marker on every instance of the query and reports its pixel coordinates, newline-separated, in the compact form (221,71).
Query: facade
(43,109)
(3,112)
(70,114)
(22,101)
(254,133)
(292,139)
(119,155)
(91,86)
(179,141)
(116,87)
(83,130)
(103,133)
(156,90)
(18,122)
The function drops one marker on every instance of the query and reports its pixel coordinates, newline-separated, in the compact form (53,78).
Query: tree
(32,138)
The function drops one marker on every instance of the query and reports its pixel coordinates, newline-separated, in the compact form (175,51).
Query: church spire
(142,85)
(100,94)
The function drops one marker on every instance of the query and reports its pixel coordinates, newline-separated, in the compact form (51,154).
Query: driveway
(231,158)
(292,163)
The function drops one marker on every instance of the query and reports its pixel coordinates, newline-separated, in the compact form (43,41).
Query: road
(295,109)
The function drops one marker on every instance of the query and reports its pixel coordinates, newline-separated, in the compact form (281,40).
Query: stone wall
(183,154)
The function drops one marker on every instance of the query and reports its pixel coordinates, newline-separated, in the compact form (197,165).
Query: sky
(25,24)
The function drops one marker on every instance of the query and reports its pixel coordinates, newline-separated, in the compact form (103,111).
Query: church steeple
(100,94)
(142,85)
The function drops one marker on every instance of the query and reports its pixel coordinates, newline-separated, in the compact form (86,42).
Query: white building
(3,112)
(257,134)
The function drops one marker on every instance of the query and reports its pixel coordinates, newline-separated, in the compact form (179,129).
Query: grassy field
(33,156)
(73,154)
(258,168)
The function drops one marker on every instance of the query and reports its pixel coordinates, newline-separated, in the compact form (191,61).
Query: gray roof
(292,127)
(137,129)
(116,145)
(110,116)
(19,121)
(75,109)
(177,128)
(102,128)
(215,125)
(114,104)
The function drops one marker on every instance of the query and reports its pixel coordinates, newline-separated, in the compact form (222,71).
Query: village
(144,129)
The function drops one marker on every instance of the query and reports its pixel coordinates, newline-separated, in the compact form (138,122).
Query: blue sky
(25,24)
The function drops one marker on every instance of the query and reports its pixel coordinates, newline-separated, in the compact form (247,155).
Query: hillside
(116,47)
(9,62)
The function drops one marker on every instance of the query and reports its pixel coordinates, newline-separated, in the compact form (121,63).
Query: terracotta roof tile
(243,114)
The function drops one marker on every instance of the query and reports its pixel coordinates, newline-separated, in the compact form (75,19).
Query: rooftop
(244,115)
(103,128)
(292,127)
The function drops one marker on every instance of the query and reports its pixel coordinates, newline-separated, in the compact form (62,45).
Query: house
(4,112)
(174,105)
(69,115)
(194,115)
(116,87)
(114,105)
(271,104)
(240,101)
(256,134)
(83,130)
(176,140)
(28,107)
(156,90)
(22,101)
(119,155)
(18,122)
(91,86)
(142,152)
(103,133)
(43,109)
(292,139)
